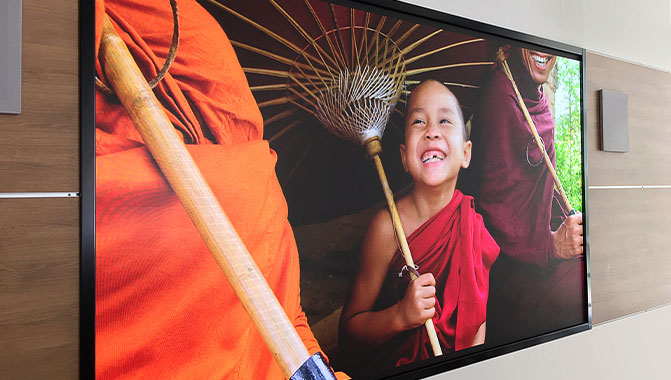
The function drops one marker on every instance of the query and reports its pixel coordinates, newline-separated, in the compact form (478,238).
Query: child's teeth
(432,158)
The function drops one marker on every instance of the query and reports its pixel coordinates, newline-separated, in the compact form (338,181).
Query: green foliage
(568,133)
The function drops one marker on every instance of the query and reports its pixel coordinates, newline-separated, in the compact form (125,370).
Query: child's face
(435,148)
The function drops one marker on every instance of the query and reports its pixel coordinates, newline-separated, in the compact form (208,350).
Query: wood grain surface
(39,244)
(629,228)
(39,149)
(648,161)
(39,288)
(630,251)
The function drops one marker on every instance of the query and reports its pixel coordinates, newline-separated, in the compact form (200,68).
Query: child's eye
(445,121)
(418,121)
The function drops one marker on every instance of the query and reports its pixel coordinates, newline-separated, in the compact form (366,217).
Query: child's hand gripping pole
(184,177)
(373,149)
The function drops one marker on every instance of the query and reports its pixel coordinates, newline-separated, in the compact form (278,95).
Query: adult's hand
(568,239)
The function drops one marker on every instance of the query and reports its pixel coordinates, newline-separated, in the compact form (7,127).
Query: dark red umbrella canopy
(324,176)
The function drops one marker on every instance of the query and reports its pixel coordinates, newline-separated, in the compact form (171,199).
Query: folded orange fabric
(205,93)
(163,307)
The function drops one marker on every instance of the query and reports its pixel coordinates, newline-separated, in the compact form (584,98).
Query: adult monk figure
(164,309)
(537,284)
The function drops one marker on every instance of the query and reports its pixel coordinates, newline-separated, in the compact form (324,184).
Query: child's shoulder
(380,238)
(381,225)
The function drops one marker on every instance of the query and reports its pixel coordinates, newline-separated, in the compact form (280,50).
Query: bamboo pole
(185,178)
(501,58)
(373,148)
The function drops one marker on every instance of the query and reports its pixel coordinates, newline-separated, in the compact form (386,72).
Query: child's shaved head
(410,104)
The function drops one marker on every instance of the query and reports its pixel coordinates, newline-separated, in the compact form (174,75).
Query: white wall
(633,30)
(635,347)
(638,31)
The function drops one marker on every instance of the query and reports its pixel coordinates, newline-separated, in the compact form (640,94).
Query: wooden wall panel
(629,228)
(630,251)
(39,243)
(648,161)
(39,288)
(39,149)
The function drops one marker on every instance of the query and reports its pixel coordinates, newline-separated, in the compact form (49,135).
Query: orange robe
(163,307)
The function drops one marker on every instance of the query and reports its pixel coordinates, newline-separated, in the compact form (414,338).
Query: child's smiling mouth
(432,156)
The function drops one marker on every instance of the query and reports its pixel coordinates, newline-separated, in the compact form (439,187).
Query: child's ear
(403,151)
(467,154)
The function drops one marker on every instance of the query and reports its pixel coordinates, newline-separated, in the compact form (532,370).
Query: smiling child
(453,251)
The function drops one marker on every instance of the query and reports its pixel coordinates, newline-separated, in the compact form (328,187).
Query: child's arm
(358,323)
(479,337)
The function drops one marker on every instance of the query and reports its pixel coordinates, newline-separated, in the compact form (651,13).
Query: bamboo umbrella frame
(210,220)
(318,60)
(325,79)
(352,92)
(503,64)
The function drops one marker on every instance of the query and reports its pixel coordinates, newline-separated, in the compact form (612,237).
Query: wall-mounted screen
(408,185)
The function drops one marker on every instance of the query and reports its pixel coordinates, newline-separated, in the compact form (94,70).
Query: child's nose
(431,134)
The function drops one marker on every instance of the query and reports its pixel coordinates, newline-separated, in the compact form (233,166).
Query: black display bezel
(395,9)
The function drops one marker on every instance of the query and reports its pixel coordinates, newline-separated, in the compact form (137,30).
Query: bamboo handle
(506,70)
(400,234)
(546,158)
(188,183)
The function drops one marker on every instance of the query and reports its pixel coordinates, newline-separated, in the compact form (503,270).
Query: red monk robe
(164,309)
(456,248)
(533,291)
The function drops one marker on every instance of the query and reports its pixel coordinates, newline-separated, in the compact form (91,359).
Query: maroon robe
(533,290)
(456,248)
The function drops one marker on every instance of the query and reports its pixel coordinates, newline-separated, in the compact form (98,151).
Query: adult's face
(539,65)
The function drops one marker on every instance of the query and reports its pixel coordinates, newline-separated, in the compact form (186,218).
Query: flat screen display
(408,185)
